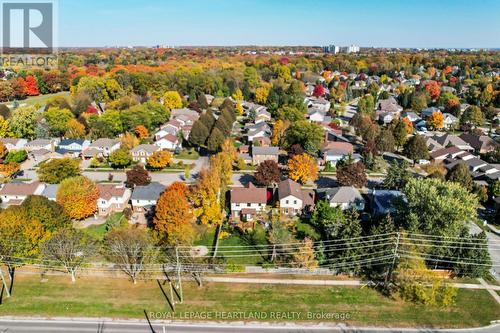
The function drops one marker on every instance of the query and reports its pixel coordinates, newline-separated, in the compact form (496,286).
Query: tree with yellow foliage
(206,197)
(238,95)
(129,141)
(279,129)
(436,120)
(305,258)
(7,170)
(262,92)
(3,151)
(172,100)
(5,131)
(74,129)
(159,160)
(303,168)
(239,109)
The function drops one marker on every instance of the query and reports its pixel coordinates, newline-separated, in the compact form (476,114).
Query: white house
(142,152)
(13,144)
(168,142)
(316,115)
(101,147)
(112,198)
(246,202)
(38,144)
(345,197)
(293,200)
(16,193)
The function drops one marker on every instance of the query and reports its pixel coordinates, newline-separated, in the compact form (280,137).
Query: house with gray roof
(345,197)
(142,152)
(50,191)
(261,154)
(143,200)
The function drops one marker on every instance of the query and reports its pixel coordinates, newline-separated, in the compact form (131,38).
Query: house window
(294,202)
(237,205)
(249,204)
(286,201)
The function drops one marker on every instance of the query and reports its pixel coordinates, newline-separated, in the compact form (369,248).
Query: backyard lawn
(119,298)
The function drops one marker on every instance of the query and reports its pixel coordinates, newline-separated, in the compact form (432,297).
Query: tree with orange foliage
(173,216)
(159,160)
(141,132)
(303,168)
(408,125)
(31,86)
(78,196)
(8,170)
(3,151)
(433,88)
(436,120)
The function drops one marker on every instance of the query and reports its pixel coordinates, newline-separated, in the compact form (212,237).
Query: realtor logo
(28,32)
(28,25)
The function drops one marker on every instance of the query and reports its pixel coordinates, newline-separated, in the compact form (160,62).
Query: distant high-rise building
(334,49)
(352,49)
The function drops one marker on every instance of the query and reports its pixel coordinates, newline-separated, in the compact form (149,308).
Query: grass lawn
(257,237)
(187,155)
(119,298)
(40,99)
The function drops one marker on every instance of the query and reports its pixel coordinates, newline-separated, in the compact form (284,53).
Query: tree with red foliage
(31,86)
(284,61)
(352,175)
(433,88)
(91,109)
(319,90)
(268,173)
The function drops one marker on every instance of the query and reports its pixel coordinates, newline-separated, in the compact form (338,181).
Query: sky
(368,23)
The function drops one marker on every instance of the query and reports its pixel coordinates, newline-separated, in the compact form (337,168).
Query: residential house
(112,198)
(73,147)
(387,110)
(13,144)
(101,147)
(335,151)
(318,103)
(144,200)
(452,140)
(262,116)
(383,201)
(293,200)
(427,112)
(264,141)
(38,144)
(187,115)
(345,197)
(442,154)
(261,154)
(169,142)
(50,191)
(317,115)
(247,202)
(450,121)
(142,152)
(15,193)
(482,144)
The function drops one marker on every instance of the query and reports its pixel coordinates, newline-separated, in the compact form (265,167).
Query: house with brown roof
(481,143)
(112,198)
(445,153)
(102,147)
(16,193)
(293,200)
(335,151)
(247,202)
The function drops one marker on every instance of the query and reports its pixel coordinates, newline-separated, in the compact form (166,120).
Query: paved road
(94,326)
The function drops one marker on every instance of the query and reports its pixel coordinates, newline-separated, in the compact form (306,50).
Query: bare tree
(131,250)
(69,248)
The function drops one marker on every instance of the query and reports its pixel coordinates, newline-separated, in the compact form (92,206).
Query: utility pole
(179,282)
(395,253)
